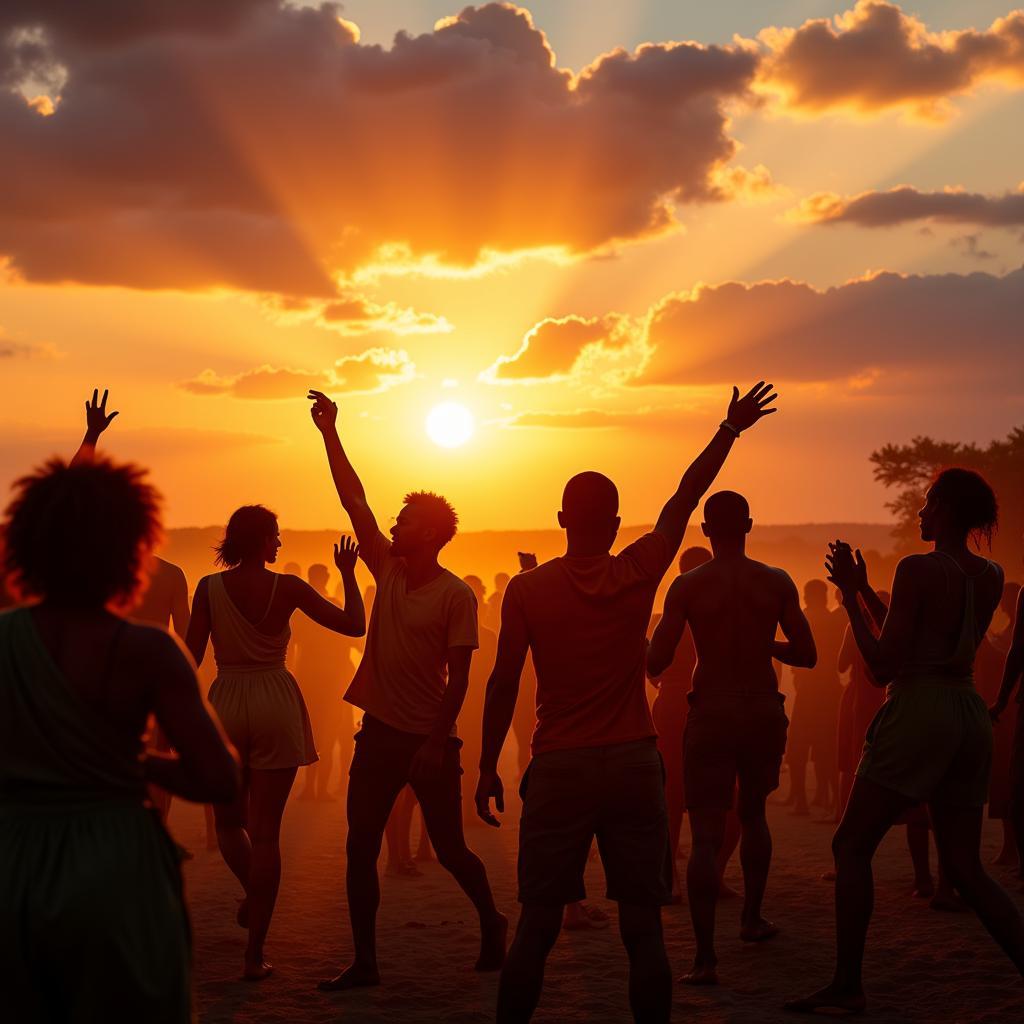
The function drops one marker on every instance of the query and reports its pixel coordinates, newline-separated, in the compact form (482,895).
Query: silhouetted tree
(911,468)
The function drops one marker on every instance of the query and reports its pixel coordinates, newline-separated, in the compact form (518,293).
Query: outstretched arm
(350,620)
(743,413)
(500,706)
(669,630)
(798,649)
(324,413)
(1014,666)
(96,421)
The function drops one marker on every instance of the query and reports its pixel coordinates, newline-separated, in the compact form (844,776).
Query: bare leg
(522,977)
(397,832)
(798,781)
(845,787)
(871,812)
(1008,854)
(441,803)
(917,844)
(650,977)
(371,797)
(707,830)
(730,841)
(233,840)
(958,838)
(211,827)
(756,859)
(268,794)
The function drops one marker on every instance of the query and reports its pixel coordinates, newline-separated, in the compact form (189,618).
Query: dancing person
(164,601)
(815,717)
(932,739)
(736,729)
(245,610)
(595,771)
(1013,669)
(410,684)
(93,923)
(323,668)
(669,712)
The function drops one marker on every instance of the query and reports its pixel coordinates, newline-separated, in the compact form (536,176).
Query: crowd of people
(400,700)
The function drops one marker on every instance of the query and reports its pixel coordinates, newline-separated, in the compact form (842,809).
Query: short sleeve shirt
(404,670)
(586,619)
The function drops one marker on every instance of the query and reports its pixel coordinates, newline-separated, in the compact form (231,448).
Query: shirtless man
(595,769)
(736,729)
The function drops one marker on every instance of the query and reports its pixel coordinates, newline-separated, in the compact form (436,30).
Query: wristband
(730,427)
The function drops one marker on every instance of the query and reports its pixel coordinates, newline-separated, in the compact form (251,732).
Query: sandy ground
(921,965)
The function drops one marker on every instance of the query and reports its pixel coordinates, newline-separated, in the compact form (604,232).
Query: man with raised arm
(736,728)
(595,768)
(410,685)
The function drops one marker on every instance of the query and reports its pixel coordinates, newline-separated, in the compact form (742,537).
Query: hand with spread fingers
(754,405)
(96,417)
(346,554)
(843,571)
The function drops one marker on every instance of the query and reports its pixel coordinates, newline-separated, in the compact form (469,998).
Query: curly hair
(247,531)
(970,500)
(80,535)
(437,513)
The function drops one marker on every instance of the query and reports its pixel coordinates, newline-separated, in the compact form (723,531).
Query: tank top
(237,643)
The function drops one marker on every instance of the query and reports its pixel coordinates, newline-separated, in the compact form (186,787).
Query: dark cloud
(904,204)
(875,57)
(260,146)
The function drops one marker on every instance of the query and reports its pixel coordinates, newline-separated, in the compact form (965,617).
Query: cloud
(868,332)
(260,146)
(875,57)
(355,315)
(904,204)
(556,347)
(372,371)
(884,332)
(970,246)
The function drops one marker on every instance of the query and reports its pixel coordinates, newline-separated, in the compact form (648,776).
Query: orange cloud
(904,204)
(374,370)
(874,58)
(556,346)
(355,315)
(261,146)
(881,332)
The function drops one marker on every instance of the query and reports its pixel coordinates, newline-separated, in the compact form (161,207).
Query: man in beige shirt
(410,684)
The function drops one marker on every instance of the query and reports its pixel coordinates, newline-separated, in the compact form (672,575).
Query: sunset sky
(582,220)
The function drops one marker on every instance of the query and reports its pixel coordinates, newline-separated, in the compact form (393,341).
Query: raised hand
(345,554)
(842,570)
(746,411)
(323,411)
(96,417)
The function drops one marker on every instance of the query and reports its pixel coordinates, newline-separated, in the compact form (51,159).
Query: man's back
(734,607)
(586,618)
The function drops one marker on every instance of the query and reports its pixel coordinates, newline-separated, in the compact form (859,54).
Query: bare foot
(759,931)
(242,914)
(492,945)
(832,1000)
(701,974)
(257,970)
(352,977)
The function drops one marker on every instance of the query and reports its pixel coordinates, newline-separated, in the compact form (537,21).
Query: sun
(450,425)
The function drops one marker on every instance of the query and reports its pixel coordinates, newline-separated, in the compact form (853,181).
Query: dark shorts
(614,793)
(730,740)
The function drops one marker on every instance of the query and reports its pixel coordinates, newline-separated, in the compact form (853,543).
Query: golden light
(450,425)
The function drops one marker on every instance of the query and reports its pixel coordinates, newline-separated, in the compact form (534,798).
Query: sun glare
(450,425)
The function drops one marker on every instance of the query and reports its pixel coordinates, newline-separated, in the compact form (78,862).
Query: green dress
(93,925)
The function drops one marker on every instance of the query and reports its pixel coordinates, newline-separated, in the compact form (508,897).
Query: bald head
(726,516)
